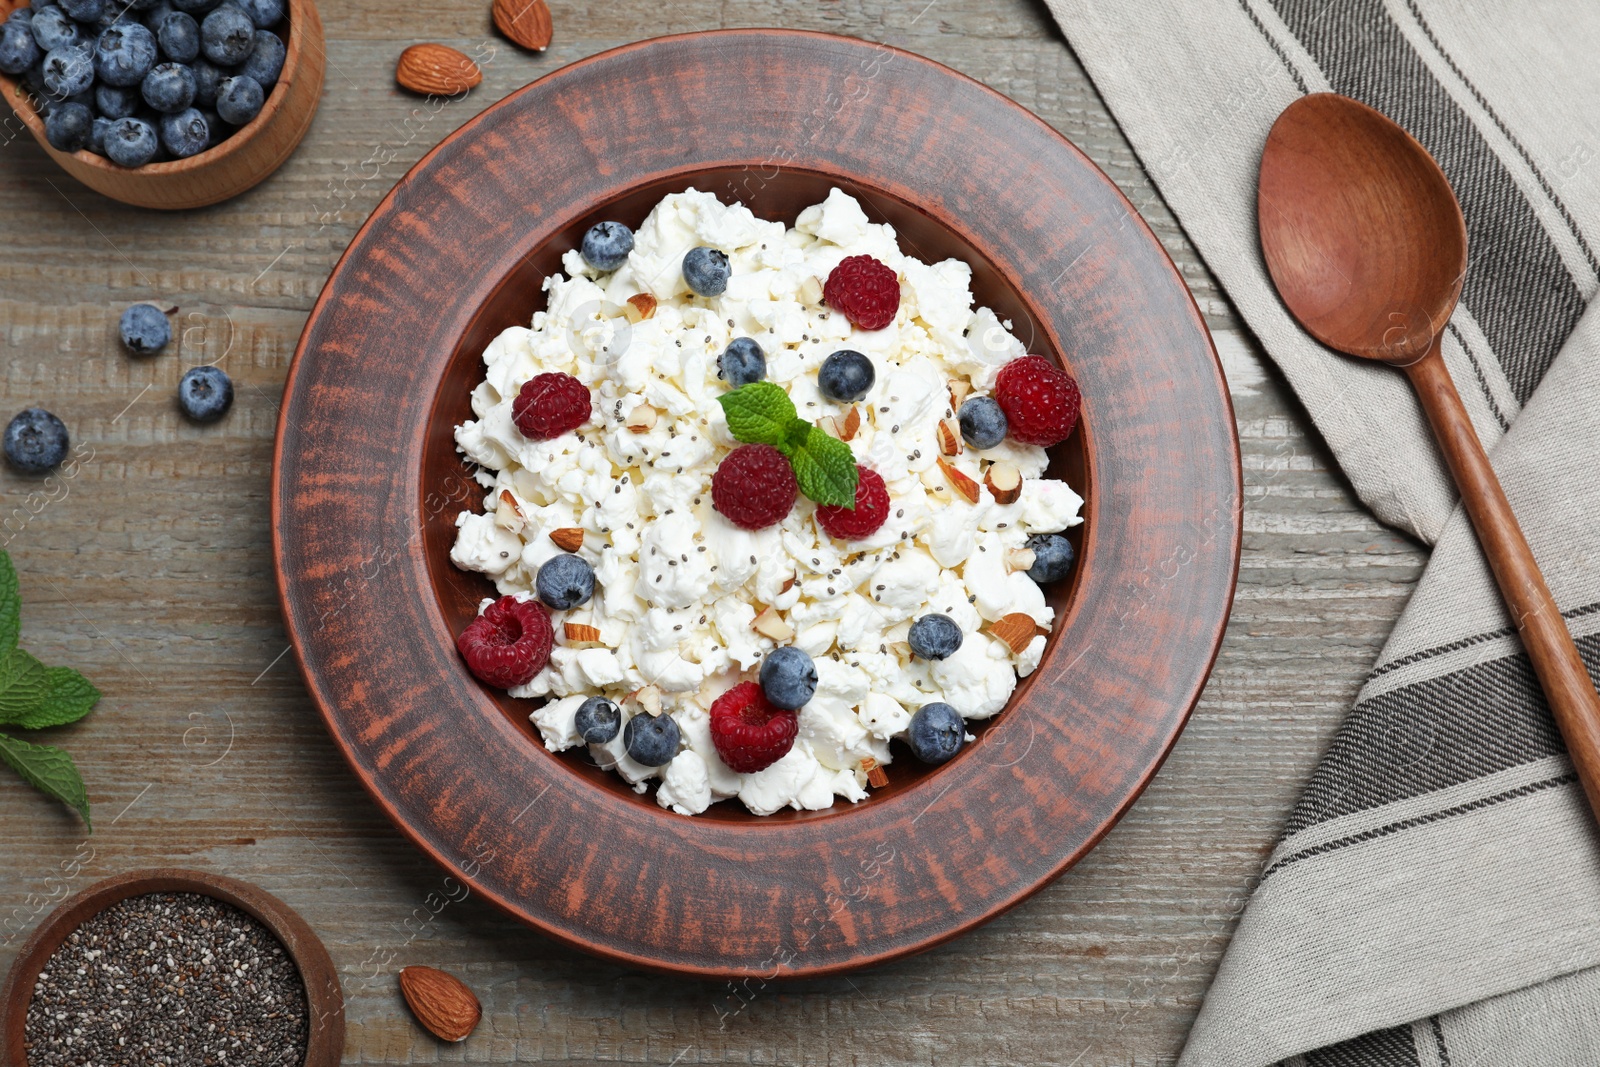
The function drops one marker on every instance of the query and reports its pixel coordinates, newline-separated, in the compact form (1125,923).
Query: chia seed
(175,979)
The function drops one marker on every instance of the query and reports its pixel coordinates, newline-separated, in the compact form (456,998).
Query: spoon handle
(1556,661)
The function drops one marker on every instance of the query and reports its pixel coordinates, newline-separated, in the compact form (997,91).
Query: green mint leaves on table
(761,413)
(33,696)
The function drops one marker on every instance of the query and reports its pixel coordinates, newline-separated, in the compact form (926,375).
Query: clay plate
(324,999)
(367,486)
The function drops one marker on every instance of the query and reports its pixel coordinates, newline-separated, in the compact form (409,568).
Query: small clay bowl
(325,1048)
(221,172)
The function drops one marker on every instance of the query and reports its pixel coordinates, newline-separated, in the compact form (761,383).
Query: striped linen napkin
(1435,898)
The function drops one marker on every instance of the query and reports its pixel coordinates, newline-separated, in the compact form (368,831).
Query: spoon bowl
(1362,232)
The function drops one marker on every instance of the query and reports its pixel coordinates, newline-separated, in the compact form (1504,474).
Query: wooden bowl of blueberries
(166,104)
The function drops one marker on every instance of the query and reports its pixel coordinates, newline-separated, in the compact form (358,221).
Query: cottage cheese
(678,585)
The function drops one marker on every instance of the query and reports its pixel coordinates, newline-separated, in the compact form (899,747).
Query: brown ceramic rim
(324,999)
(370,606)
(302,77)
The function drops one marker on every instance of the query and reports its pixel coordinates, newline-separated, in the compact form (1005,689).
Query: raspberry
(872,507)
(749,733)
(509,643)
(549,405)
(754,487)
(865,290)
(1040,400)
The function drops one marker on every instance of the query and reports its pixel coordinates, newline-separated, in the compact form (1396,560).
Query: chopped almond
(1019,559)
(963,485)
(507,515)
(846,426)
(642,419)
(958,395)
(810,291)
(950,437)
(1017,630)
(580,632)
(876,777)
(640,307)
(568,538)
(770,624)
(648,698)
(1004,482)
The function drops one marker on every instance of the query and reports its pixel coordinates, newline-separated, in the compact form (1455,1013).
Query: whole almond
(524,22)
(436,70)
(441,1002)
(568,538)
(1017,630)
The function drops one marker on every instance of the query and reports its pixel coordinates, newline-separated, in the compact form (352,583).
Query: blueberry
(846,376)
(239,100)
(52,29)
(145,330)
(1052,557)
(132,142)
(22,15)
(35,441)
(788,677)
(99,129)
(18,49)
(214,123)
(565,581)
(155,14)
(185,134)
(598,720)
(194,7)
(606,245)
(706,270)
(227,35)
(206,80)
(264,13)
(141,5)
(114,102)
(742,362)
(84,10)
(983,424)
(935,733)
(205,393)
(69,127)
(179,37)
(651,739)
(935,636)
(125,54)
(266,59)
(68,70)
(169,88)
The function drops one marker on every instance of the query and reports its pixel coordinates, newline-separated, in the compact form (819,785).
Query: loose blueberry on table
(787,532)
(147,81)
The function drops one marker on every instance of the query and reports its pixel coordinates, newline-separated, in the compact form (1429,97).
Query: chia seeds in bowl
(169,978)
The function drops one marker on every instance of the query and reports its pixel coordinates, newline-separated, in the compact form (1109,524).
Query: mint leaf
(794,437)
(23,685)
(49,770)
(10,604)
(826,469)
(68,698)
(759,413)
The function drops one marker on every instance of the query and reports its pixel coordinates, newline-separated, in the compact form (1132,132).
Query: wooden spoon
(1367,247)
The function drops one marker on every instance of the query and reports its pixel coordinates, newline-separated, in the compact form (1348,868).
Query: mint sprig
(826,469)
(761,413)
(32,697)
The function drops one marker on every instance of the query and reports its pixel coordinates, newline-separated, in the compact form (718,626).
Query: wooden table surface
(150,570)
